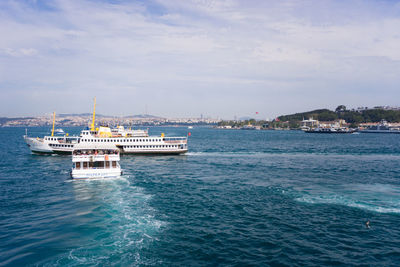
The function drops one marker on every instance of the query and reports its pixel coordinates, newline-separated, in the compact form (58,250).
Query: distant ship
(59,131)
(382,127)
(330,130)
(126,140)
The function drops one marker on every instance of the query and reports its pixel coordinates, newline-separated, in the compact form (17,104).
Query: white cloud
(134,53)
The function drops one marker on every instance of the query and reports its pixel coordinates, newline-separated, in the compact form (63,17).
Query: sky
(187,58)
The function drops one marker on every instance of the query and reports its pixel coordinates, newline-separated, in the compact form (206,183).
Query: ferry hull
(326,132)
(37,145)
(380,131)
(98,173)
(155,152)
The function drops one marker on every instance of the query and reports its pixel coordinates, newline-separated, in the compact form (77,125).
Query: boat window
(90,164)
(78,165)
(114,164)
(99,164)
(85,165)
(107,164)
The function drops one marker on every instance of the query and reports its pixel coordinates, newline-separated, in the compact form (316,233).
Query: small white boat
(59,131)
(95,161)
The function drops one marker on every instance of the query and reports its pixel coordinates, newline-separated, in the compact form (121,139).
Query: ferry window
(78,165)
(90,164)
(99,164)
(114,164)
(107,164)
(85,165)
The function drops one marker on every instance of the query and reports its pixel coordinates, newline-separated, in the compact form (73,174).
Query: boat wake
(114,223)
(381,198)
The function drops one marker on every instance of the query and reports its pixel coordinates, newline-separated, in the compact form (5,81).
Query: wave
(377,198)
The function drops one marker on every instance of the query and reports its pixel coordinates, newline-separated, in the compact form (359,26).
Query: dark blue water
(237,198)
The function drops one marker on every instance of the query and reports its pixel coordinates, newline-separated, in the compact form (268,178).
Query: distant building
(309,124)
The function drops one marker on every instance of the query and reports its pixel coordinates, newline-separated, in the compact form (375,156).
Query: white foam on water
(129,224)
(382,198)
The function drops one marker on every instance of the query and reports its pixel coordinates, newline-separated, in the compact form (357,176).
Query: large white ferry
(128,141)
(95,161)
(53,143)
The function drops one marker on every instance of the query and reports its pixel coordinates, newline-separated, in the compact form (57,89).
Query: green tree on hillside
(340,108)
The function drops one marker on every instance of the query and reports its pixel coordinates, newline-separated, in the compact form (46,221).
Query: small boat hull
(96,173)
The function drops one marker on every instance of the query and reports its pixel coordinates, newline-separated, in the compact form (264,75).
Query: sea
(237,198)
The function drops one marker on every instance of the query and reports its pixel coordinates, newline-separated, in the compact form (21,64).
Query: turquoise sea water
(237,198)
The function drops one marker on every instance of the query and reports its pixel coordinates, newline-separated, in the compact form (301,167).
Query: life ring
(106,157)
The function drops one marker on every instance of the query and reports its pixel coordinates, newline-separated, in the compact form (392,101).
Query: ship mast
(94,114)
(54,120)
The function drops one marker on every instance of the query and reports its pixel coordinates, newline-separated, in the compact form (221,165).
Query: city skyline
(186,58)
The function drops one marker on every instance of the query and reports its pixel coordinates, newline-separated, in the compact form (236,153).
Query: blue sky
(186,58)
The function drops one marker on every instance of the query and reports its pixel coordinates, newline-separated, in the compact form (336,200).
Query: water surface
(237,198)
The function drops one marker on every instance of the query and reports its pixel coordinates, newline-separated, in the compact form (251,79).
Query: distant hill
(78,115)
(351,116)
(5,119)
(139,116)
(318,114)
(143,116)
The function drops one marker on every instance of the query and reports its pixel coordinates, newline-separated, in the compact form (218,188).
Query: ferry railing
(113,157)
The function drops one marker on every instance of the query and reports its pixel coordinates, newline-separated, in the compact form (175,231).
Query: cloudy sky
(183,58)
